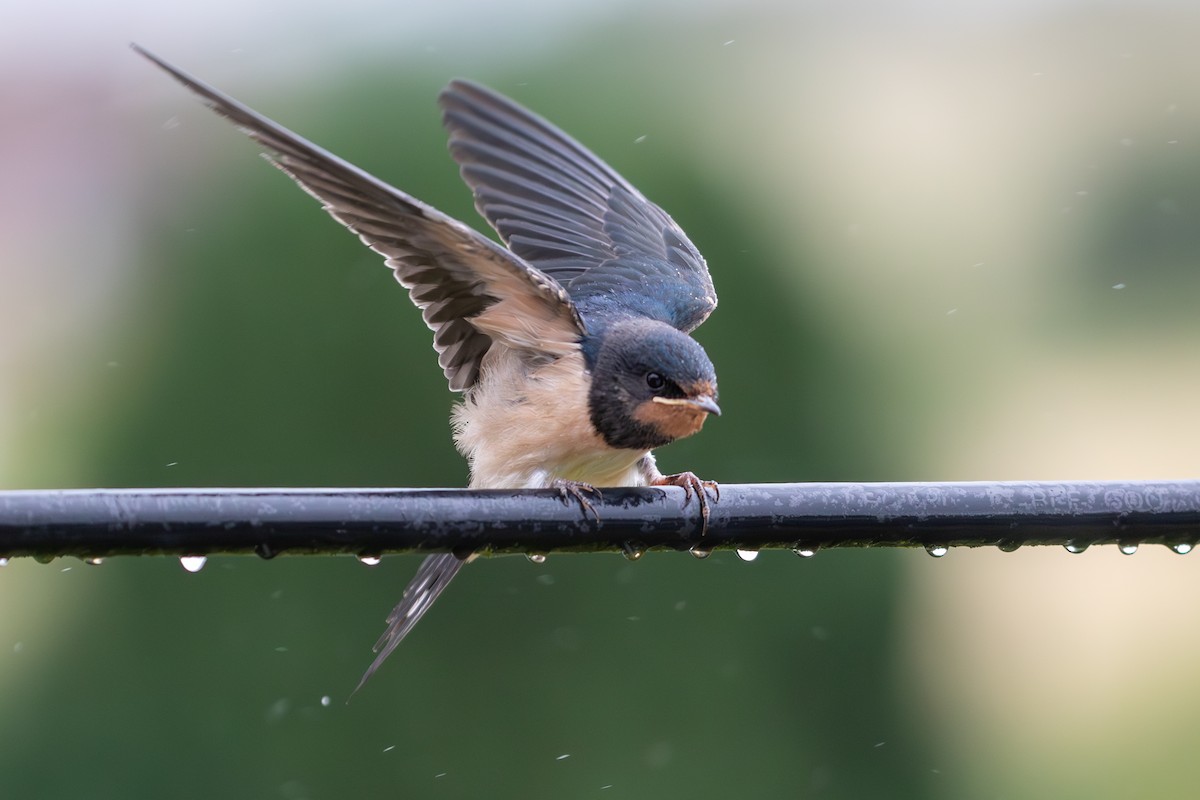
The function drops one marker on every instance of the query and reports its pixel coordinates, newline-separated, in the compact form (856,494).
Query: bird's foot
(692,485)
(577,491)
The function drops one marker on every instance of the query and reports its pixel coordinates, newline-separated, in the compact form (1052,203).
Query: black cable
(96,523)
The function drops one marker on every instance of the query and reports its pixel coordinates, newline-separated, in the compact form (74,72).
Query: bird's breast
(524,425)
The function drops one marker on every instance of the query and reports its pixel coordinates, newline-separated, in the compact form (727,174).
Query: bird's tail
(431,579)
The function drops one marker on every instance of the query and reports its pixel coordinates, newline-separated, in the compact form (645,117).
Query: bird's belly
(601,468)
(523,428)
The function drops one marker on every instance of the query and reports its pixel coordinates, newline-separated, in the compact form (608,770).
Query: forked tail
(431,579)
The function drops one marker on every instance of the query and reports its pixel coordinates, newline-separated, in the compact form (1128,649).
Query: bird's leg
(690,484)
(575,490)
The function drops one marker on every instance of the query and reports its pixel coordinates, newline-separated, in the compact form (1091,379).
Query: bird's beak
(702,402)
(705,403)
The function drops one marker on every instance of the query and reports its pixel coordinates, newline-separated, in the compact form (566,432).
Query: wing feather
(569,214)
(470,290)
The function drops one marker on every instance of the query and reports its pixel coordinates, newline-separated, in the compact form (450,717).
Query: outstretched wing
(470,290)
(566,212)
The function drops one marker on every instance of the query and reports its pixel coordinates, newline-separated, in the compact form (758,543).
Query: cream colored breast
(523,426)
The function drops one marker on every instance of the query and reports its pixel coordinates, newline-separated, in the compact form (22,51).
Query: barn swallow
(570,344)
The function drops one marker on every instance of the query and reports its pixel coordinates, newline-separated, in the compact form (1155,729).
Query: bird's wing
(566,212)
(470,290)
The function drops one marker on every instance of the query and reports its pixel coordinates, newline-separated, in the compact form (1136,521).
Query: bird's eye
(655,381)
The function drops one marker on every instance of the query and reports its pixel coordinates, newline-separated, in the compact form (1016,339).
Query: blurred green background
(949,244)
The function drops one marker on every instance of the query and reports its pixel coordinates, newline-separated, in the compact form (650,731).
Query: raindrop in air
(1128,548)
(325,700)
(747,555)
(700,552)
(805,551)
(937,550)
(93,561)
(1075,547)
(1183,548)
(193,563)
(631,552)
(537,558)
(370,561)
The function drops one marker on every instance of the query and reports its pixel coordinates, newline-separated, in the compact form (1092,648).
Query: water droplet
(1128,548)
(93,561)
(1183,548)
(805,551)
(632,552)
(3,562)
(537,558)
(700,552)
(747,555)
(1075,547)
(937,550)
(370,560)
(43,558)
(563,757)
(325,701)
(1008,547)
(389,748)
(264,551)
(193,563)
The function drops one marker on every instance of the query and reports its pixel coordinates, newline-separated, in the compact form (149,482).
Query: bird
(570,342)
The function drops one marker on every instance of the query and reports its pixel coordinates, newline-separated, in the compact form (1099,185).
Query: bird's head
(651,384)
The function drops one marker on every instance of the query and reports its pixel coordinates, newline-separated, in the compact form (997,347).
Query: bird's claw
(575,490)
(693,485)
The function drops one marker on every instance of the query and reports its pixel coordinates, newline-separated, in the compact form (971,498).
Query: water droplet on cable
(805,551)
(370,560)
(1183,548)
(93,561)
(1128,548)
(193,563)
(747,555)
(536,558)
(632,552)
(1008,547)
(700,552)
(1075,547)
(937,550)
(264,551)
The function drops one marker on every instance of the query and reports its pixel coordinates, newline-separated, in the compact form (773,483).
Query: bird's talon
(575,490)
(691,484)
